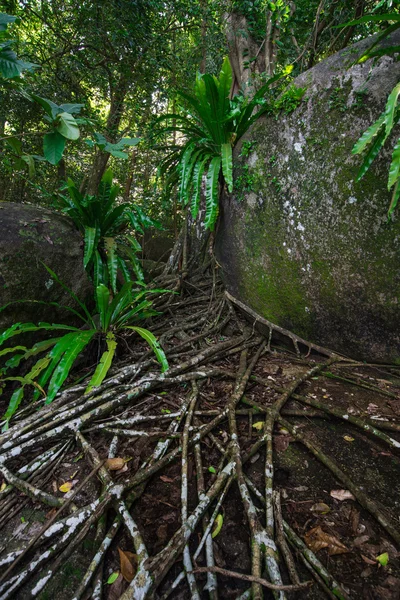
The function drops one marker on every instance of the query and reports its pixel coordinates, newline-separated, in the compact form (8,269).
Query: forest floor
(108,495)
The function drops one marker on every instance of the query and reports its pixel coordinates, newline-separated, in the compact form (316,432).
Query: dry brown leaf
(128,562)
(166,479)
(115,464)
(320,508)
(316,539)
(368,560)
(342,495)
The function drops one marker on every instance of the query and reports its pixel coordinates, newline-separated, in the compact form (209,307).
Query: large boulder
(30,236)
(300,241)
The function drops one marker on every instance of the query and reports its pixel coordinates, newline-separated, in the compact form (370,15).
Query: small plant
(247,148)
(244,183)
(290,99)
(108,229)
(58,354)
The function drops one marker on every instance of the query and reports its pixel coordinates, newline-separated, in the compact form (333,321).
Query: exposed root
(177,418)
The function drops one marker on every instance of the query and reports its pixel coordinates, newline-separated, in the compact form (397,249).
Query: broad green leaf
(72,109)
(371,154)
(15,145)
(112,262)
(78,342)
(14,349)
(53,147)
(154,345)
(68,127)
(371,19)
(224,88)
(19,328)
(197,181)
(227,165)
(394,170)
(49,107)
(105,363)
(90,239)
(15,401)
(10,65)
(390,109)
(103,301)
(130,141)
(5,20)
(212,193)
(29,160)
(395,199)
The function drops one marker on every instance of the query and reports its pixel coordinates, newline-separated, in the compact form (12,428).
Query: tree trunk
(113,122)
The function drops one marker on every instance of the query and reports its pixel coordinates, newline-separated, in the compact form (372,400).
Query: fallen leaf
(115,464)
(348,438)
(320,508)
(113,577)
(316,539)
(383,559)
(166,479)
(211,469)
(368,560)
(66,487)
(3,486)
(217,525)
(128,564)
(258,425)
(342,495)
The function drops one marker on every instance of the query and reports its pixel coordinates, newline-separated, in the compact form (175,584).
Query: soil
(307,487)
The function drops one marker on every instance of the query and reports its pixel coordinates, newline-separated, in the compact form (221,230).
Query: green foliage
(117,149)
(58,354)
(375,137)
(106,226)
(212,125)
(11,67)
(290,99)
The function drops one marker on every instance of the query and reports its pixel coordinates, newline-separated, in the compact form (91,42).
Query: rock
(309,248)
(29,236)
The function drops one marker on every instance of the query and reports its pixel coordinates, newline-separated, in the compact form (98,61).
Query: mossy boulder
(300,241)
(30,236)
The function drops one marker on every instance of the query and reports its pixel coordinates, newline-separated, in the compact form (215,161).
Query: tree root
(125,412)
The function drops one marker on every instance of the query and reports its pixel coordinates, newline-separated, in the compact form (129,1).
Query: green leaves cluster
(11,67)
(64,127)
(58,354)
(375,137)
(108,228)
(213,123)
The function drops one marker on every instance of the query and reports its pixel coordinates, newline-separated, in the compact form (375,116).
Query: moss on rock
(308,247)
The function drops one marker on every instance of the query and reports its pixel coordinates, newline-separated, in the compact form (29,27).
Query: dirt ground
(348,540)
